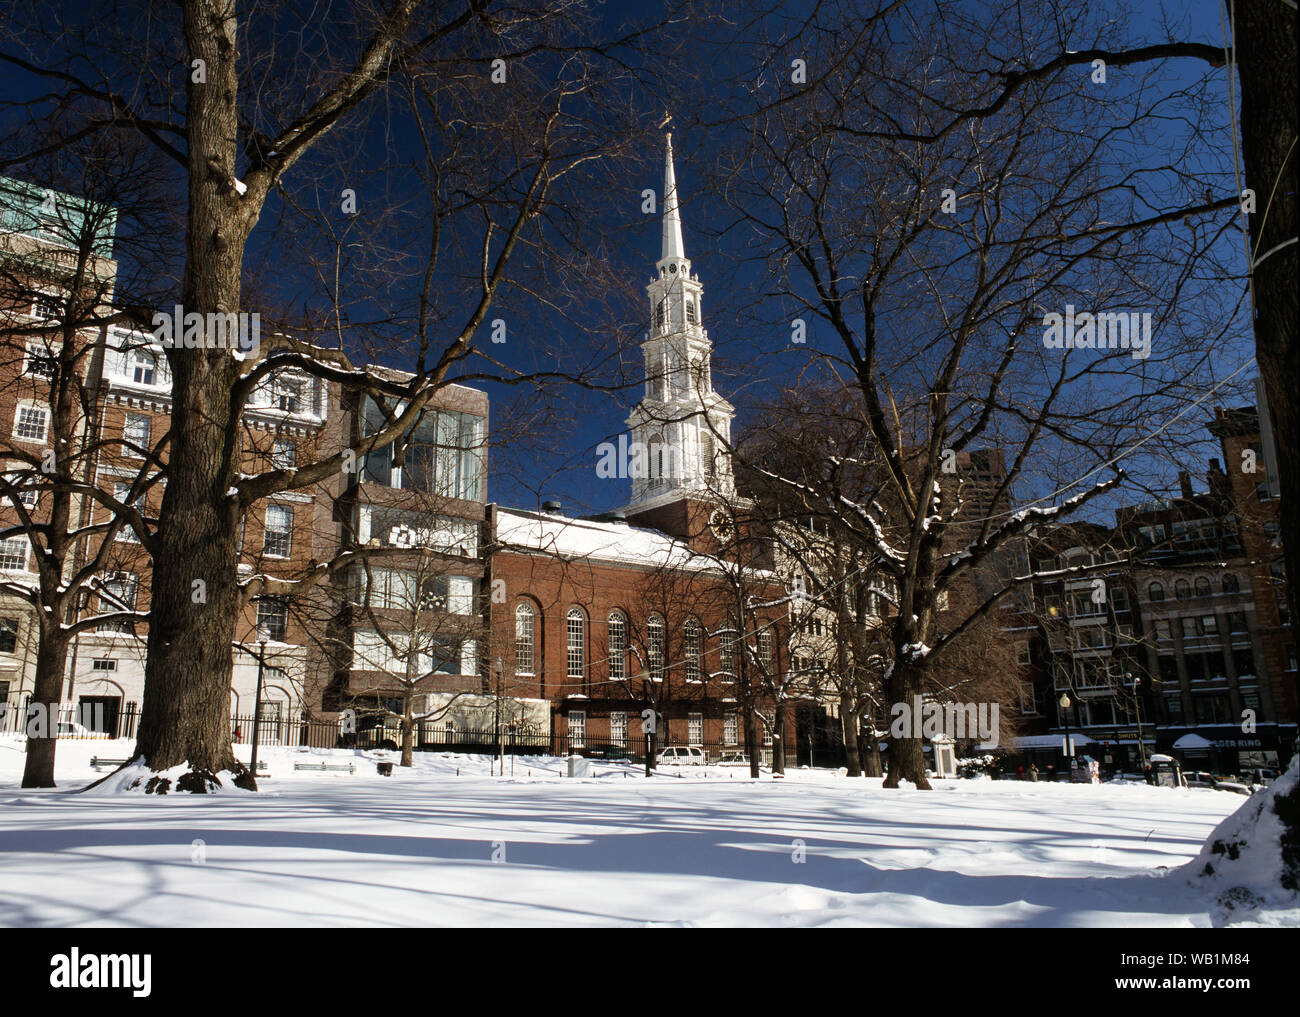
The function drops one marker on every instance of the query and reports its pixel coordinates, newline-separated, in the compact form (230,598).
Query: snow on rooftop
(586,538)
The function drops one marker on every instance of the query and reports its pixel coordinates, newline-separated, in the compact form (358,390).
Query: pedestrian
(1033,772)
(1150,774)
(1020,772)
(239,737)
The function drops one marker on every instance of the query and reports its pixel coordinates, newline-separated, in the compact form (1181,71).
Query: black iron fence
(289,728)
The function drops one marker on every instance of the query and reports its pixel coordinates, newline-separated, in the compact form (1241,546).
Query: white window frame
(143,442)
(731,728)
(9,549)
(126,533)
(575,643)
(618,729)
(577,729)
(38,351)
(617,645)
(695,729)
(656,646)
(692,644)
(146,361)
(34,408)
(269,535)
(525,638)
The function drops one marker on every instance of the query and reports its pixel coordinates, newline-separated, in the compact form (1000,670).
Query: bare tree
(59,280)
(506,102)
(927,271)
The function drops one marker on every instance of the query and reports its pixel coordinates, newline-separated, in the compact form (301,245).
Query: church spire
(673,249)
(682,426)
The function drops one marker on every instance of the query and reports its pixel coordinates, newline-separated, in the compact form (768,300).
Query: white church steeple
(681,423)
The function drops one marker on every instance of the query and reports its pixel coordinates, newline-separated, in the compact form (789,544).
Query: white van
(681,755)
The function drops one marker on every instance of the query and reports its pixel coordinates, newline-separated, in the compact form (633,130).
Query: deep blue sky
(559,462)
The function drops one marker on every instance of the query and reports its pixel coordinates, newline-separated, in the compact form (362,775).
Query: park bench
(325,767)
(96,762)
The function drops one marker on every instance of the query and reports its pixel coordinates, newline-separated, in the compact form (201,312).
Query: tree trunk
(849,727)
(751,741)
(51,662)
(870,749)
(1266,60)
(408,738)
(906,758)
(195,598)
(778,740)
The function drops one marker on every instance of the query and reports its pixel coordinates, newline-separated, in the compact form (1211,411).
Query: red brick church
(650,607)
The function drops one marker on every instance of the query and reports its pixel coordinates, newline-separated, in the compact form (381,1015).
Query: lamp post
(514,727)
(500,753)
(1137,706)
(257,698)
(1064,703)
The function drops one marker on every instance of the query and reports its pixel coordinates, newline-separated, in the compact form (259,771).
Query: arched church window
(661,313)
(690,312)
(617,645)
(707,457)
(655,633)
(525,638)
(576,631)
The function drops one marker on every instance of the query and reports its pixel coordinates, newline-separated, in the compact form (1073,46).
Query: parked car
(1204,779)
(681,755)
(1260,776)
(733,758)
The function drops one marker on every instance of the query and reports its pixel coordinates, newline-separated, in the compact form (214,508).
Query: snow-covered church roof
(589,539)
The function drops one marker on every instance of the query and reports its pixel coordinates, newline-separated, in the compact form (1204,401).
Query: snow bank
(1241,865)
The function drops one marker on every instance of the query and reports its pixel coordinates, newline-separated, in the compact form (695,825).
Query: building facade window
(691,650)
(617,646)
(284,454)
(730,728)
(118,592)
(31,423)
(273,618)
(13,554)
(525,637)
(618,729)
(8,640)
(1156,592)
(655,637)
(577,729)
(575,626)
(136,431)
(142,367)
(277,541)
(695,728)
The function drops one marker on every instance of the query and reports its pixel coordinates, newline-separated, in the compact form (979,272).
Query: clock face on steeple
(722,526)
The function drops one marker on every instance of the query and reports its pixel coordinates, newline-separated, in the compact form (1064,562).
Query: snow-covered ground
(445,843)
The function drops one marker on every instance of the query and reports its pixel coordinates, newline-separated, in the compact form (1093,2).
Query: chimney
(1185,483)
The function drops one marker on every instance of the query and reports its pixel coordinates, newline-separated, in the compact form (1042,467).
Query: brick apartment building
(1190,644)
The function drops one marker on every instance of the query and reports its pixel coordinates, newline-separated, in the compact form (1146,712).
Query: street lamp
(500,753)
(1064,703)
(257,698)
(1137,706)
